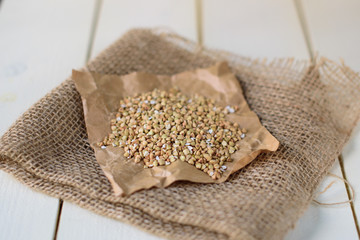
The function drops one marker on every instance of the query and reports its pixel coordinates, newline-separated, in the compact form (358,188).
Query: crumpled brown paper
(101,95)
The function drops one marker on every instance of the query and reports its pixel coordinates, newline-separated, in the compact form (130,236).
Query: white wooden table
(41,41)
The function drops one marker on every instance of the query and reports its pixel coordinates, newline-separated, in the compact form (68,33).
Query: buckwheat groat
(158,128)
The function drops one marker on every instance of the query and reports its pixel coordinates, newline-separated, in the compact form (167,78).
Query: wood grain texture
(41,41)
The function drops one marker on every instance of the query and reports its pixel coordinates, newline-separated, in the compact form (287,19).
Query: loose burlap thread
(311,108)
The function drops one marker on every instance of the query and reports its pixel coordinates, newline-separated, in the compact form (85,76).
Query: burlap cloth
(310,108)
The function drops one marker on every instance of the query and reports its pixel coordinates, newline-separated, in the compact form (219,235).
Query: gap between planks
(199,31)
(94,24)
(341,162)
(58,218)
(304,27)
(199,21)
(309,45)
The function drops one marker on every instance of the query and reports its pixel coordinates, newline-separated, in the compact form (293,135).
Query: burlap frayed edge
(274,63)
(38,178)
(43,177)
(54,189)
(214,53)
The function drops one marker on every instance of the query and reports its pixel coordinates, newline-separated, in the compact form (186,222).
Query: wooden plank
(272,29)
(254,28)
(24,213)
(119,16)
(78,223)
(41,41)
(334,28)
(116,18)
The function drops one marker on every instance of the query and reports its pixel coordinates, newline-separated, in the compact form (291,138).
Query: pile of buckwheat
(161,127)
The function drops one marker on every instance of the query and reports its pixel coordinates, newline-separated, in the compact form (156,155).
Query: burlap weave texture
(310,108)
